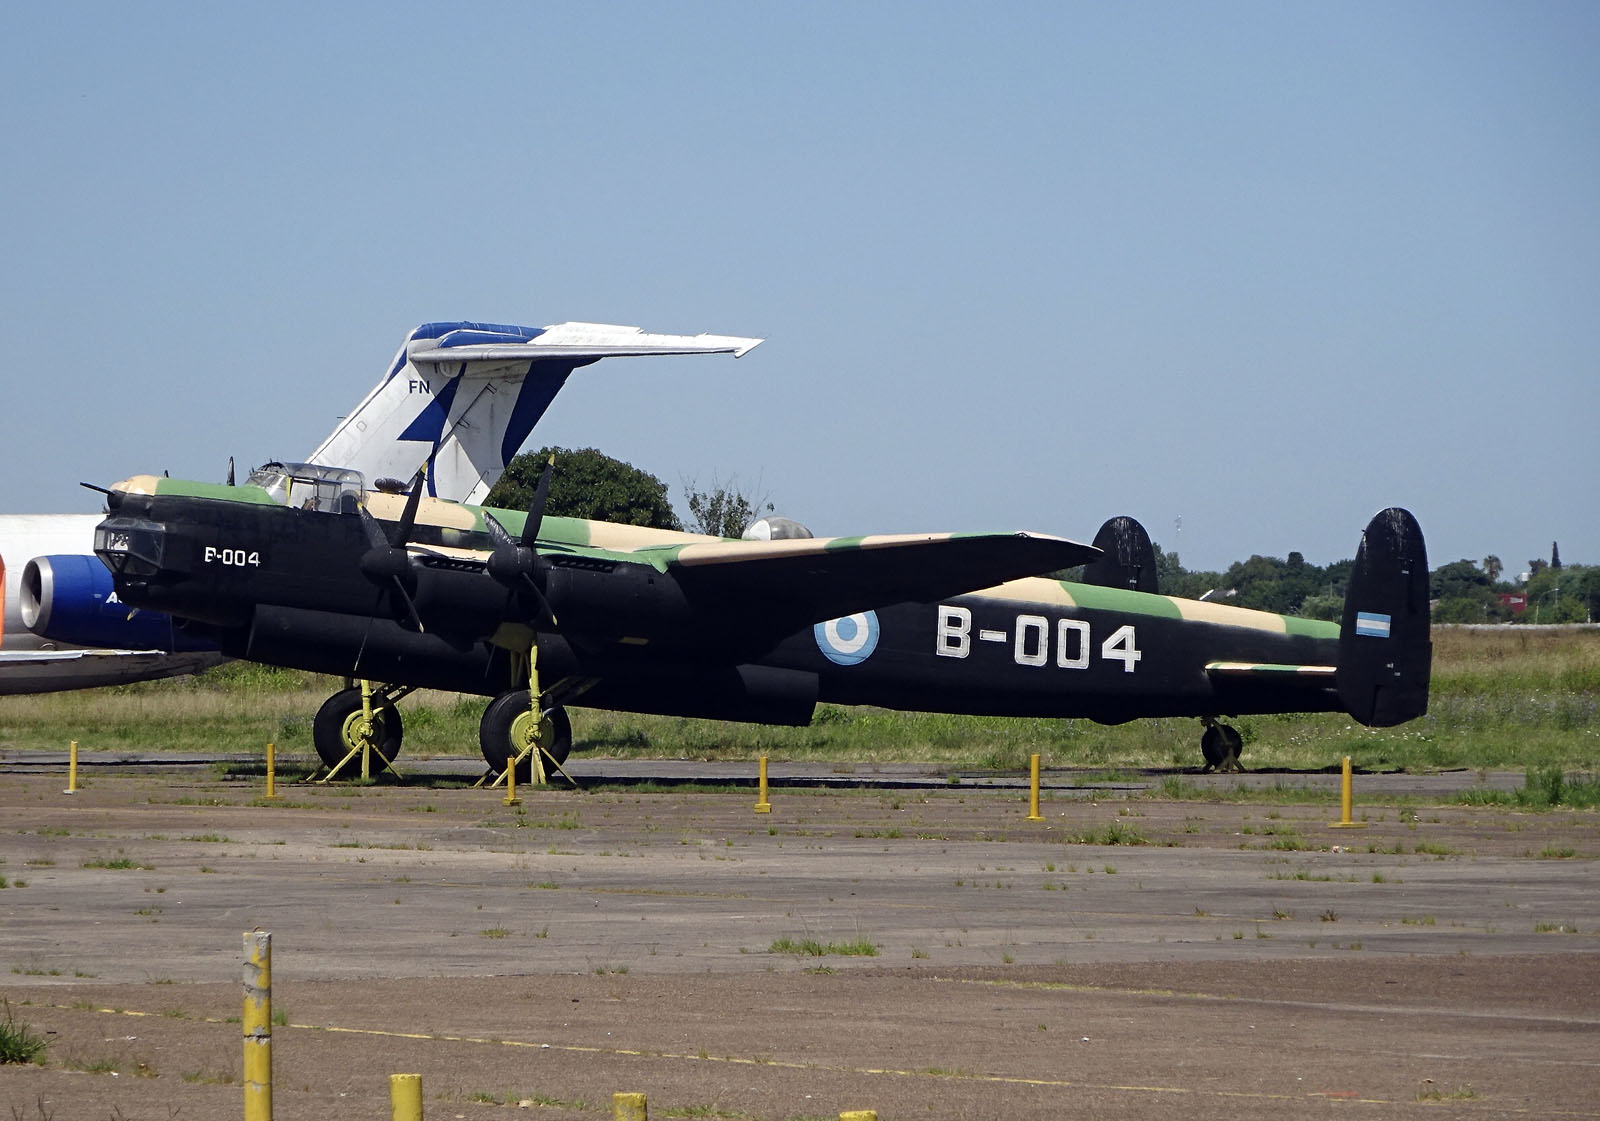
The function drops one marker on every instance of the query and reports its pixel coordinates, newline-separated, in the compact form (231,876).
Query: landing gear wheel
(509,727)
(339,727)
(1221,744)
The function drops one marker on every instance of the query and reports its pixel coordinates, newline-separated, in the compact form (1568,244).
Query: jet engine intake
(70,599)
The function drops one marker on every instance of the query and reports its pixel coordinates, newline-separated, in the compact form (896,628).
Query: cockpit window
(310,486)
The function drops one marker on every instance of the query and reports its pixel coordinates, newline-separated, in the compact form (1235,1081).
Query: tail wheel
(510,727)
(340,727)
(1221,744)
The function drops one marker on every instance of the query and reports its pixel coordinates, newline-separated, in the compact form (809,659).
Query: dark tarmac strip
(1227,960)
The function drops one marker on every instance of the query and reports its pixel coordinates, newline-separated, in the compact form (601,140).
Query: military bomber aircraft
(301,566)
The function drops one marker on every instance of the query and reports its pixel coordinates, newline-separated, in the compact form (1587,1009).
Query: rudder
(1385,650)
(1127,558)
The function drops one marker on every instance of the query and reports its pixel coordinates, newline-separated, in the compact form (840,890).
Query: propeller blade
(408,518)
(513,564)
(386,561)
(541,606)
(411,607)
(498,534)
(530,528)
(375,535)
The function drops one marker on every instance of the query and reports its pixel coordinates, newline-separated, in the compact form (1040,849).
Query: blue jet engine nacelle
(70,599)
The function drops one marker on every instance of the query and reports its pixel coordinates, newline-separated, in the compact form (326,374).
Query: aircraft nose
(130,547)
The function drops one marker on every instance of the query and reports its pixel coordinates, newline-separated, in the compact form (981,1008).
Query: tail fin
(1126,560)
(462,397)
(1385,653)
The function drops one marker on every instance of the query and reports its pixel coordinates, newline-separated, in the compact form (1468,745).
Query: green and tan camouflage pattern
(663,548)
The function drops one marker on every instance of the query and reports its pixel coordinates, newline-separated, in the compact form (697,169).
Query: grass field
(1509,698)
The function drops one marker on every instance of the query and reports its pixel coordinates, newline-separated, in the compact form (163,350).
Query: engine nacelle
(69,598)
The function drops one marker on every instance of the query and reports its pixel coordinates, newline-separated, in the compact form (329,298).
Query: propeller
(386,562)
(515,562)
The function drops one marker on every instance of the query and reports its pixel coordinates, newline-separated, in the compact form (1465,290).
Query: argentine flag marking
(1372,625)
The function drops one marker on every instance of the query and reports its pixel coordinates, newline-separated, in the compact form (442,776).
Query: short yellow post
(628,1107)
(72,769)
(405,1097)
(762,805)
(1344,821)
(257,1026)
(271,793)
(1033,789)
(511,782)
(859,1115)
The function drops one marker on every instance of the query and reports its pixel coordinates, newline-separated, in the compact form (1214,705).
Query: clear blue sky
(1267,267)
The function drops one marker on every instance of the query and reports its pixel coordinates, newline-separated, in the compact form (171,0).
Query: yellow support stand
(405,1097)
(628,1107)
(72,769)
(511,784)
(1344,821)
(257,1026)
(1033,789)
(271,792)
(762,805)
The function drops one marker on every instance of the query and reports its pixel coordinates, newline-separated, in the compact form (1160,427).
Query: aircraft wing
(777,586)
(43,671)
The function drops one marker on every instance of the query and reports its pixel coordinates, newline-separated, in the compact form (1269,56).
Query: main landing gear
(360,727)
(510,730)
(1220,744)
(521,728)
(359,722)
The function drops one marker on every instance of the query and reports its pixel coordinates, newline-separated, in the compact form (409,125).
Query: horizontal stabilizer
(578,340)
(1317,674)
(461,397)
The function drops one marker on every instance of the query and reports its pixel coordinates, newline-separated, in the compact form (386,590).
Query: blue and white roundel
(848,641)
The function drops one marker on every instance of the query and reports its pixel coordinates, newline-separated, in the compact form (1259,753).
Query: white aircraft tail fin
(462,397)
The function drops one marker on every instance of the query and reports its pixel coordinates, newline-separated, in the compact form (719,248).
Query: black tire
(1213,746)
(500,736)
(331,731)
(1232,742)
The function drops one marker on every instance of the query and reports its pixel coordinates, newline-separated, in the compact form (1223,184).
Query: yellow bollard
(1033,789)
(270,792)
(859,1115)
(257,1026)
(72,769)
(511,782)
(405,1097)
(1344,821)
(628,1107)
(762,805)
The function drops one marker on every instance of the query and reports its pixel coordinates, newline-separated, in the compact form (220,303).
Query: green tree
(1561,595)
(1463,594)
(721,510)
(586,484)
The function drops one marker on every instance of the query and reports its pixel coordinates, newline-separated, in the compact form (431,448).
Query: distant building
(1516,602)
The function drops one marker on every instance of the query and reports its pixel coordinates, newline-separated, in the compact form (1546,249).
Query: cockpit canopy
(310,486)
